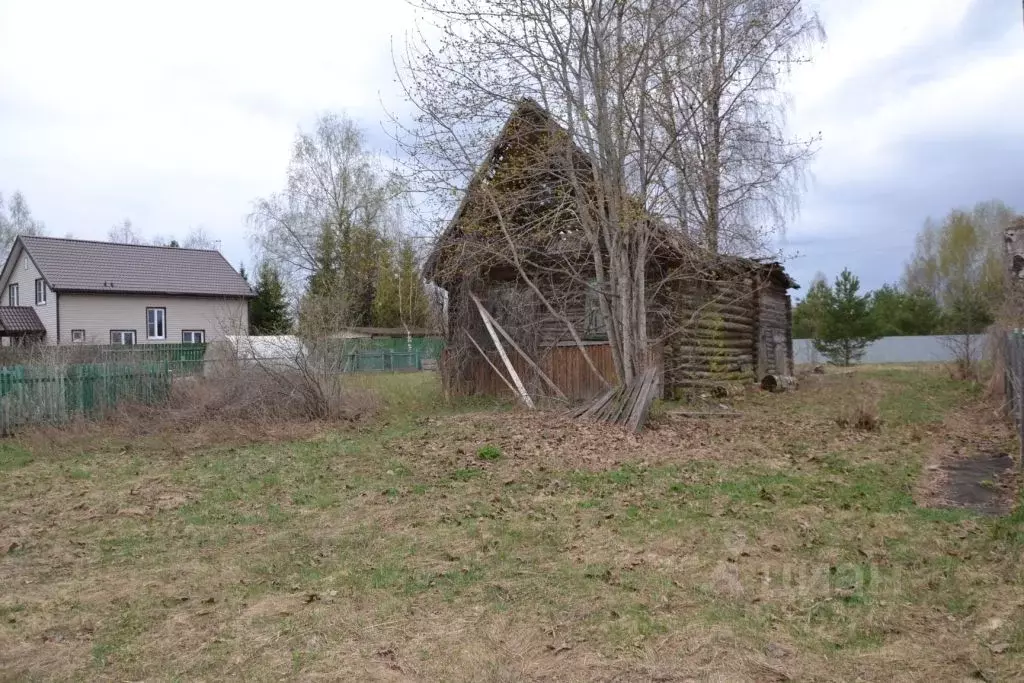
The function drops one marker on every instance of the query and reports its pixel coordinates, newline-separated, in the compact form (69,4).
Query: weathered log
(739,310)
(695,374)
(709,413)
(712,345)
(697,356)
(726,326)
(778,383)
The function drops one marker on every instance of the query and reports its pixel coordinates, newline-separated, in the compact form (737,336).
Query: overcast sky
(180,117)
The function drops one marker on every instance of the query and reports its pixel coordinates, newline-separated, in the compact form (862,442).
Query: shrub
(489,453)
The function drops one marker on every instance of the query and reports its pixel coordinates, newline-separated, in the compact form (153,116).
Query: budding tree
(666,126)
(339,201)
(15,220)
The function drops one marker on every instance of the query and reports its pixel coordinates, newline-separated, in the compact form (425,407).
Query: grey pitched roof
(86,266)
(19,320)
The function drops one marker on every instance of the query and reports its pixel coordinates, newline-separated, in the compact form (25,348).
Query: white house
(68,291)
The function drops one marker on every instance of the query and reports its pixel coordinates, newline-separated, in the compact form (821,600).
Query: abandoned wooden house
(712,319)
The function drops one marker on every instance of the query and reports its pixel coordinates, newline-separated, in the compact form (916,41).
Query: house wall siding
(98,314)
(25,275)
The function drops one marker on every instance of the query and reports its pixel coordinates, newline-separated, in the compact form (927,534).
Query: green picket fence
(34,395)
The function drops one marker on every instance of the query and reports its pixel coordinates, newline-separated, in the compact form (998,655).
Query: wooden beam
(501,352)
(493,366)
(512,342)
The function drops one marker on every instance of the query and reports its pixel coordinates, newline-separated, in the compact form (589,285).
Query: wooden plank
(644,401)
(599,403)
(515,346)
(525,397)
(493,366)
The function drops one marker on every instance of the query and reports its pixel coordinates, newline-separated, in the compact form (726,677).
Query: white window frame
(192,334)
(77,336)
(121,336)
(12,294)
(40,291)
(157,330)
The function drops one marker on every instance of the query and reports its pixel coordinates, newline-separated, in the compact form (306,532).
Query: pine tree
(847,326)
(245,275)
(809,313)
(268,311)
(325,279)
(387,310)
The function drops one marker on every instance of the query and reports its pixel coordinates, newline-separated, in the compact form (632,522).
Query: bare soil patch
(983,483)
(970,466)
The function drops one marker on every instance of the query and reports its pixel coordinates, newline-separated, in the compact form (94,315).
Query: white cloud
(176,114)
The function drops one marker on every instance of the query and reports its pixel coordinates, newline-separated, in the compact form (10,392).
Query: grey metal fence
(933,349)
(1013,382)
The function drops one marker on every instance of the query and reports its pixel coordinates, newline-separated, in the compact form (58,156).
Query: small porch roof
(18,321)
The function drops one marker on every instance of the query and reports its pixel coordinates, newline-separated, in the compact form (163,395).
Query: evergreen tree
(245,275)
(325,279)
(847,325)
(387,305)
(809,313)
(268,311)
(898,312)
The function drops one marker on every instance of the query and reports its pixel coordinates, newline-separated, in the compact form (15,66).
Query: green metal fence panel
(382,361)
(425,347)
(183,359)
(56,394)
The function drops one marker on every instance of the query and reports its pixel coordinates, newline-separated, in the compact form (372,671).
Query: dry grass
(774,546)
(862,415)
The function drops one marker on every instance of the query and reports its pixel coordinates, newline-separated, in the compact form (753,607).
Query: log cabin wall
(709,341)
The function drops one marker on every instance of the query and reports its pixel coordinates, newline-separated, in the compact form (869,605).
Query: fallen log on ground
(777,383)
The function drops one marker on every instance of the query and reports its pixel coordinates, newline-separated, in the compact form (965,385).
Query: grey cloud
(870,226)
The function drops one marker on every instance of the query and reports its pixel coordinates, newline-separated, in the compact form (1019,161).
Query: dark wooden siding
(775,336)
(564,364)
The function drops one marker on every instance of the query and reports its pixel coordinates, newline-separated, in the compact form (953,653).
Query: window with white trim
(122,337)
(156,323)
(40,292)
(78,336)
(12,294)
(193,336)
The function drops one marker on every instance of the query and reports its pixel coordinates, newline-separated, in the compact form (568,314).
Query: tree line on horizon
(952,284)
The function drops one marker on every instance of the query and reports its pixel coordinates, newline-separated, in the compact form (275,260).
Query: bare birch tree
(665,123)
(334,184)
